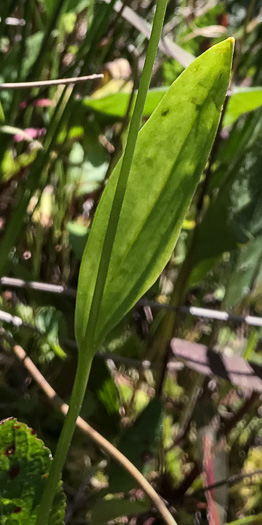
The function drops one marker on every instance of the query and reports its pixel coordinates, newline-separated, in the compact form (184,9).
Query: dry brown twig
(48,83)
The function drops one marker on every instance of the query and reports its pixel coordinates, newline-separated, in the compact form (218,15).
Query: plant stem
(81,379)
(85,358)
(125,169)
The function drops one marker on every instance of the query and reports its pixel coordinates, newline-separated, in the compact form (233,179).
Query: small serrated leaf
(24,467)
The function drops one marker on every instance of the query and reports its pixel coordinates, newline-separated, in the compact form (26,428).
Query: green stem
(85,359)
(125,168)
(81,379)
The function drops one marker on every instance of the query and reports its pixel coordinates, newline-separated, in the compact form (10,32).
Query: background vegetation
(186,416)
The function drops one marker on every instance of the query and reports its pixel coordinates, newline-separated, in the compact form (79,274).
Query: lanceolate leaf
(171,153)
(24,466)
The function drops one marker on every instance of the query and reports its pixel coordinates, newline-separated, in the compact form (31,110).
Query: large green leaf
(24,466)
(171,152)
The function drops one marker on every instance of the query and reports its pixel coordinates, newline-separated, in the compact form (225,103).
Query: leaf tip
(226,46)
(231,40)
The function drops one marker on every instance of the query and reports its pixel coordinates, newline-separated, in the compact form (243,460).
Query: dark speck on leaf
(10,450)
(14,471)
(16,510)
(33,432)
(165,112)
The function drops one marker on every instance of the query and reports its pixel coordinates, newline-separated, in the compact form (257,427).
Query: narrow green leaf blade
(24,466)
(171,152)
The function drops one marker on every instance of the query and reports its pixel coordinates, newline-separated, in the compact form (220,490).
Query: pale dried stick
(47,83)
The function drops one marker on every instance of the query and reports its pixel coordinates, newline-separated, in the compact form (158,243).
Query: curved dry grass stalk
(48,83)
